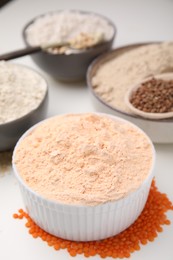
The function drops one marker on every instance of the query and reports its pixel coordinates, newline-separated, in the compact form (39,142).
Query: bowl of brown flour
(111,76)
(23,101)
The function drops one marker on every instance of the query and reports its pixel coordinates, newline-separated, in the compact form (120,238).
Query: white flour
(65,26)
(21,91)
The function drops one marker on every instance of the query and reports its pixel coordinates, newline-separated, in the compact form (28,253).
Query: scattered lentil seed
(154,96)
(145,229)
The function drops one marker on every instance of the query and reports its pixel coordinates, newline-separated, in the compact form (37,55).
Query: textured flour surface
(84,159)
(66,25)
(21,91)
(114,78)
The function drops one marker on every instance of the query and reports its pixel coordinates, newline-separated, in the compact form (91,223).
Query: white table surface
(137,21)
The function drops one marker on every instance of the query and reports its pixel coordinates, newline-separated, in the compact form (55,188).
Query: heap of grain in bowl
(21,91)
(84,159)
(81,29)
(116,76)
(154,96)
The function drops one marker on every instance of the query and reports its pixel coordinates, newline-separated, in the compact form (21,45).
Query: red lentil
(145,229)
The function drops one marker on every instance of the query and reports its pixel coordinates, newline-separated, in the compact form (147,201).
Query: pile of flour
(84,159)
(65,26)
(21,91)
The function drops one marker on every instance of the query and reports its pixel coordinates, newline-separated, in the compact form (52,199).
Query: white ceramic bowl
(159,130)
(85,223)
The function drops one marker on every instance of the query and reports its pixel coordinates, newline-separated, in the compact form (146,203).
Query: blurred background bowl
(11,131)
(73,66)
(159,131)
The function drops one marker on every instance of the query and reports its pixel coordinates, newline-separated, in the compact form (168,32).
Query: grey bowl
(73,66)
(10,132)
(160,131)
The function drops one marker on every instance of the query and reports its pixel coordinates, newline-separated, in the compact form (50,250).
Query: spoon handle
(20,53)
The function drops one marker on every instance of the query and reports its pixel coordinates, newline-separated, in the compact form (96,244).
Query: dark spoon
(30,50)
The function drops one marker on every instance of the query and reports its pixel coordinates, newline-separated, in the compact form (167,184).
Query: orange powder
(84,159)
(144,230)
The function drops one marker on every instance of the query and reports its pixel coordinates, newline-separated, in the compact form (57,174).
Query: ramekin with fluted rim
(85,223)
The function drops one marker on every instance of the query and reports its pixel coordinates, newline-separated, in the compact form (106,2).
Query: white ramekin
(85,223)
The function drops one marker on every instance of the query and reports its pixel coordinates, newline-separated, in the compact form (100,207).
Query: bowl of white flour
(66,26)
(23,101)
(112,74)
